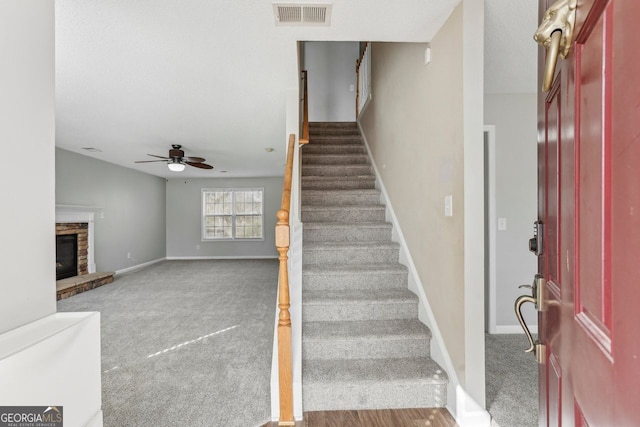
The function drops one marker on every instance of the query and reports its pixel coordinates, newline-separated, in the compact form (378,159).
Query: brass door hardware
(555,34)
(537,299)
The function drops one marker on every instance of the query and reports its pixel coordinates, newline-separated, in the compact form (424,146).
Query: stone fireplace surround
(69,220)
(80,220)
(81,230)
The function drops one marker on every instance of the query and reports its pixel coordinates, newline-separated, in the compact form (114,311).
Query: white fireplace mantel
(73,213)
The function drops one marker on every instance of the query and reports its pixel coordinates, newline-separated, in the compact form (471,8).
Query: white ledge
(77,208)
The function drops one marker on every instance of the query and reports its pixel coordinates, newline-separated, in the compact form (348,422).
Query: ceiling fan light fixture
(175,166)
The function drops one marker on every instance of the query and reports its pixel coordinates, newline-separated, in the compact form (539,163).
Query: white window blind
(232,214)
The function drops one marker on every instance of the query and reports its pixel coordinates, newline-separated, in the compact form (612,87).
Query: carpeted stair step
(363,344)
(335,159)
(370,339)
(350,252)
(349,305)
(369,213)
(340,197)
(334,139)
(346,125)
(336,170)
(338,148)
(342,127)
(373,384)
(318,277)
(338,183)
(347,232)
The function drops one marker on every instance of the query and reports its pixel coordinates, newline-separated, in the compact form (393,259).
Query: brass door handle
(521,300)
(537,299)
(555,33)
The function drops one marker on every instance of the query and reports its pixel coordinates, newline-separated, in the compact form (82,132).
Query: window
(232,214)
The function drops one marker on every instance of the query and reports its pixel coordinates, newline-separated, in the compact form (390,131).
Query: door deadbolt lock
(535,243)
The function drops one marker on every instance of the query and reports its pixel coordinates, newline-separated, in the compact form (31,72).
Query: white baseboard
(468,412)
(514,329)
(439,352)
(181,258)
(138,266)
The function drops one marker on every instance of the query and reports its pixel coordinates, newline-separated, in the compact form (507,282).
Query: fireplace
(66,256)
(72,249)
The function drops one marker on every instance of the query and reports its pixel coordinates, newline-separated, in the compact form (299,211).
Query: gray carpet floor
(512,381)
(186,343)
(189,343)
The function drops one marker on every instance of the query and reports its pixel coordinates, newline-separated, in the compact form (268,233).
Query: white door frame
(491,221)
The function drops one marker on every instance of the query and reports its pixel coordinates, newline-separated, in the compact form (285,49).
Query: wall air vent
(302,14)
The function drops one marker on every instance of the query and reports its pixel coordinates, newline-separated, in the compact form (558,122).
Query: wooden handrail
(285,374)
(304,139)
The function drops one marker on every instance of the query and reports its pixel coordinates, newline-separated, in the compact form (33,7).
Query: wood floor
(434,417)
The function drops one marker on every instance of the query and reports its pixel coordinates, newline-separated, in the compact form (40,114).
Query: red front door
(589,203)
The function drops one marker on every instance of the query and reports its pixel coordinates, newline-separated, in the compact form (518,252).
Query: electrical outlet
(197,247)
(128,255)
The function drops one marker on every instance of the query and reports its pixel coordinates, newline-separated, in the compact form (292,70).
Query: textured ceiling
(134,77)
(510,54)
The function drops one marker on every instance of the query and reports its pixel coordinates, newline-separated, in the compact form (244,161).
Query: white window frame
(233,237)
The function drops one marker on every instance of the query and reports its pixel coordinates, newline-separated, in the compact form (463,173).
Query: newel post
(284,322)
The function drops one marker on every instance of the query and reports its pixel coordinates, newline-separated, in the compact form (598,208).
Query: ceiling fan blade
(149,161)
(160,157)
(194,159)
(200,165)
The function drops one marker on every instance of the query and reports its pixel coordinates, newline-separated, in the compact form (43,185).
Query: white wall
(131,218)
(332,70)
(184,209)
(27,131)
(46,358)
(514,118)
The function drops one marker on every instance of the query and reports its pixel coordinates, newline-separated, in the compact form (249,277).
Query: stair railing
(363,77)
(284,318)
(304,139)
(283,242)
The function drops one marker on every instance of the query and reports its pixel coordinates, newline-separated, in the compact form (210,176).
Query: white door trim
(490,130)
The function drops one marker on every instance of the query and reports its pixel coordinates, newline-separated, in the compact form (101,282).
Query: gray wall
(331,67)
(184,208)
(514,117)
(132,219)
(27,127)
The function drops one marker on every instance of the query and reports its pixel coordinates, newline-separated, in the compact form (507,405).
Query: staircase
(363,345)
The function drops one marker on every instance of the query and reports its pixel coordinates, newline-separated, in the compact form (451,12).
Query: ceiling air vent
(302,14)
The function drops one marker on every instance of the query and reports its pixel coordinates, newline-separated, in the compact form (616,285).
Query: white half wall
(55,361)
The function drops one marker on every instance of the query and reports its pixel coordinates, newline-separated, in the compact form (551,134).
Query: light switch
(352,88)
(448,205)
(427,56)
(502,224)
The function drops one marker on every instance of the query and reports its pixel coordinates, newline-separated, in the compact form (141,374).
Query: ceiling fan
(177,161)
